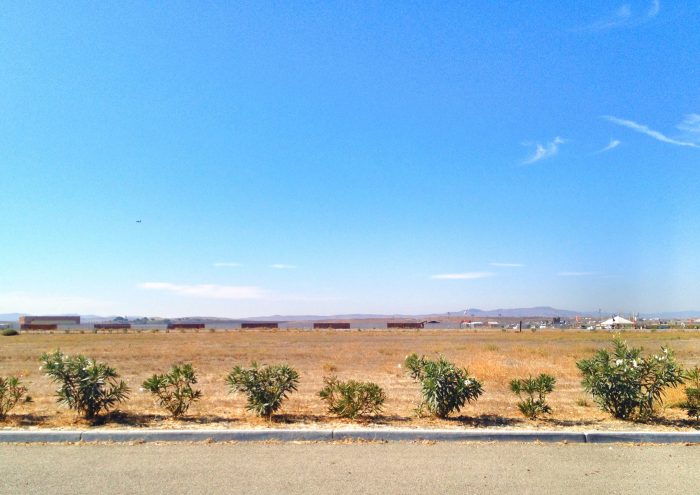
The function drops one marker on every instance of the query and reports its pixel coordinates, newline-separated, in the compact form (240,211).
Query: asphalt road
(307,468)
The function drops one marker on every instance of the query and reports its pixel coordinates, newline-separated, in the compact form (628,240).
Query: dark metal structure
(260,324)
(337,325)
(405,324)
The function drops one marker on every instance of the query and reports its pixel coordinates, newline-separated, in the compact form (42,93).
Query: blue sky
(333,157)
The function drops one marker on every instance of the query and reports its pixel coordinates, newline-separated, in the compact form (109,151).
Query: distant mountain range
(545,311)
(534,312)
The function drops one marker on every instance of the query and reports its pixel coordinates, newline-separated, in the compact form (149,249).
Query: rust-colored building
(49,320)
(405,324)
(173,326)
(259,324)
(336,325)
(38,326)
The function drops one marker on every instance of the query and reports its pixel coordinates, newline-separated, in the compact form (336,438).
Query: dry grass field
(495,357)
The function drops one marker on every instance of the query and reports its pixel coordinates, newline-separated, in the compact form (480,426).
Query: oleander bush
(173,390)
(85,385)
(692,393)
(266,387)
(11,392)
(627,384)
(445,387)
(352,398)
(532,393)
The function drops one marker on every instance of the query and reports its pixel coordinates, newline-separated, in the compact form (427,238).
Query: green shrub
(11,392)
(352,398)
(445,388)
(8,332)
(692,394)
(533,393)
(627,384)
(86,386)
(173,390)
(265,386)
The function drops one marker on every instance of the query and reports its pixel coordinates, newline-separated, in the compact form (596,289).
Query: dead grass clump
(329,368)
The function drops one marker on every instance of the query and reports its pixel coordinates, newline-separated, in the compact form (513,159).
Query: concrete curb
(460,435)
(643,437)
(34,436)
(204,435)
(370,434)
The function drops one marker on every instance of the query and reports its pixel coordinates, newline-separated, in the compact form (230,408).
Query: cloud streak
(654,8)
(282,266)
(545,151)
(644,129)
(624,16)
(614,143)
(507,265)
(208,291)
(575,274)
(462,276)
(690,127)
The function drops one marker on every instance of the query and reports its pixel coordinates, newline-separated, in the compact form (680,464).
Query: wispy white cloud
(690,126)
(282,266)
(614,143)
(507,265)
(544,151)
(575,274)
(463,276)
(624,16)
(208,291)
(654,8)
(227,264)
(644,129)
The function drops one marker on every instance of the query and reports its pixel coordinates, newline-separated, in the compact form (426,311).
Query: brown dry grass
(493,357)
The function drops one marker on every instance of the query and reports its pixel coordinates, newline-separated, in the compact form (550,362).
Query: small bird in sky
(138,221)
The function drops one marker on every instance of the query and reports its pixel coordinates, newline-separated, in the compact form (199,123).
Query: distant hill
(672,314)
(545,311)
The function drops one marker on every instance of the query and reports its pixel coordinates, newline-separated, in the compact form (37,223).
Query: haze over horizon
(335,158)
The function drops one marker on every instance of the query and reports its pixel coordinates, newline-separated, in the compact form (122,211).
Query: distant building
(172,326)
(405,324)
(332,325)
(259,324)
(49,320)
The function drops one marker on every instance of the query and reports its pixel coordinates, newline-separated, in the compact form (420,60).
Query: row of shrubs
(623,382)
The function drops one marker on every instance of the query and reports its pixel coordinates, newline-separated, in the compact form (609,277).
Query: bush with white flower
(627,384)
(444,386)
(85,385)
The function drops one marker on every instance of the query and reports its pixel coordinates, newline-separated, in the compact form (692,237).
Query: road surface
(308,468)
